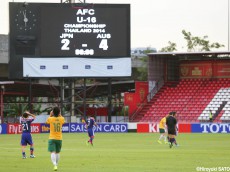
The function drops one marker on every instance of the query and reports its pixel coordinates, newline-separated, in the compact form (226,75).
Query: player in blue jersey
(26,137)
(90,123)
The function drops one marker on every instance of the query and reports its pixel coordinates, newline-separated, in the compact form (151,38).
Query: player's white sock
(165,138)
(53,159)
(160,137)
(57,158)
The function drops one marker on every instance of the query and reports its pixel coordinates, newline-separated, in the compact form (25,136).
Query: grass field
(129,152)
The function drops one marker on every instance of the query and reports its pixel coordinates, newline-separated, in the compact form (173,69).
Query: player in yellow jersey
(55,121)
(162,128)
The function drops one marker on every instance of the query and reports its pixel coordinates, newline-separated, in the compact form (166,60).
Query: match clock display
(98,30)
(25,19)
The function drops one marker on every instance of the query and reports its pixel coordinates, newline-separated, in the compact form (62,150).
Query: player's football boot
(55,168)
(32,156)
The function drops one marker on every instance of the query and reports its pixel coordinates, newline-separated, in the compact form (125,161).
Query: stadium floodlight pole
(72,97)
(109,99)
(62,94)
(84,99)
(1,103)
(228,26)
(30,96)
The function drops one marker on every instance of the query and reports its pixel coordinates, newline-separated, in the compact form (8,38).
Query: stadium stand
(192,99)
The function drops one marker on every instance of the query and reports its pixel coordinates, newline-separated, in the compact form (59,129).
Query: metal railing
(148,98)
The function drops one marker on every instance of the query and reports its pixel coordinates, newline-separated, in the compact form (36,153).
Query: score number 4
(104,44)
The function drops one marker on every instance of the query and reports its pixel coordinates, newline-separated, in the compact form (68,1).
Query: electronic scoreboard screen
(95,30)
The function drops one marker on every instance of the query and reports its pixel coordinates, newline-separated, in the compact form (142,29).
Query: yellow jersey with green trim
(55,127)
(162,123)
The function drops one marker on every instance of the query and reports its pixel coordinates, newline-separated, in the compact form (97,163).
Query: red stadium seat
(190,97)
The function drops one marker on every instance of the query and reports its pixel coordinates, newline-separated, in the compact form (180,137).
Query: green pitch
(129,152)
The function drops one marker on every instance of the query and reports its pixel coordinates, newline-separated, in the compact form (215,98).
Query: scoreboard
(98,30)
(59,30)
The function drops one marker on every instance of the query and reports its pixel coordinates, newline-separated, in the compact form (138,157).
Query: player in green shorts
(162,126)
(55,138)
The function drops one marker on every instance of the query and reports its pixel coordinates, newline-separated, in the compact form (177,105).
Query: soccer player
(90,122)
(55,121)
(172,128)
(26,137)
(162,126)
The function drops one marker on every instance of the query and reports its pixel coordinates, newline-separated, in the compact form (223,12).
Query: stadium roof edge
(6,82)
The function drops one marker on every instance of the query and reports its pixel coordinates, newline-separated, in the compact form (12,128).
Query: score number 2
(103,44)
(65,43)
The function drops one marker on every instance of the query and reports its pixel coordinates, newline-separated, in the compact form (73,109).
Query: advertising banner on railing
(45,128)
(3,128)
(187,128)
(17,128)
(14,129)
(211,128)
(105,127)
(66,128)
(147,128)
(119,128)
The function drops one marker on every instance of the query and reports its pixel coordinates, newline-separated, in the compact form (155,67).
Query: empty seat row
(192,98)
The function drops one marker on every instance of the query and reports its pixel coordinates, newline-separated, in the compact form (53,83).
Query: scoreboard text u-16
(101,30)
